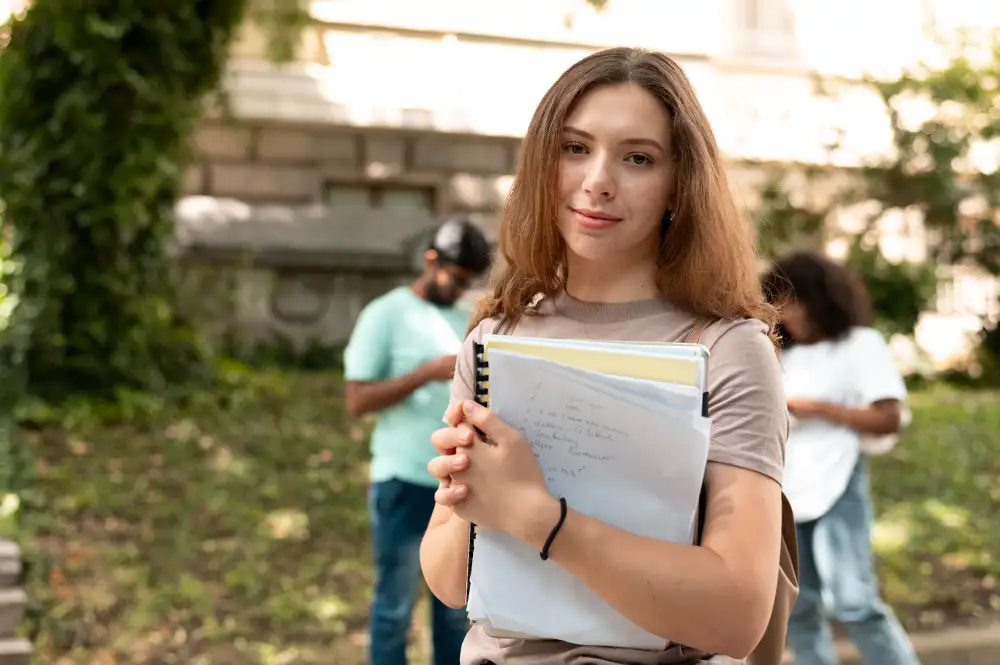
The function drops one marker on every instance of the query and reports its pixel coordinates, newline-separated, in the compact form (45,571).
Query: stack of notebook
(621,430)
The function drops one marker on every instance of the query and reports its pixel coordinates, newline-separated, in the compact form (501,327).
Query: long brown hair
(707,261)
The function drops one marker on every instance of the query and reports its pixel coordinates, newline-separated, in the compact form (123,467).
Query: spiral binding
(482,397)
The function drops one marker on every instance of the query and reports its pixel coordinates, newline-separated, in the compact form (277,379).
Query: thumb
(486,421)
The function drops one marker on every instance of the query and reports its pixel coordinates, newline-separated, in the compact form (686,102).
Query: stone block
(447,154)
(303,146)
(193,180)
(384,156)
(15,651)
(222,141)
(339,150)
(278,144)
(12,604)
(467,191)
(10,564)
(262,183)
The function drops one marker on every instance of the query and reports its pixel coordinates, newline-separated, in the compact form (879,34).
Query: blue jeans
(399,513)
(837,580)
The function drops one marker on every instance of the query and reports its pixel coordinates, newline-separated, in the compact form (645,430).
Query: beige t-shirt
(749,427)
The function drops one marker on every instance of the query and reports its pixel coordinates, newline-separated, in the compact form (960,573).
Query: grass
(937,497)
(231,527)
(232,530)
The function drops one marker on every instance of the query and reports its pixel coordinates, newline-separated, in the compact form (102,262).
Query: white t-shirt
(820,456)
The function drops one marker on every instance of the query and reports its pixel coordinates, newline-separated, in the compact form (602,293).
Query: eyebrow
(631,141)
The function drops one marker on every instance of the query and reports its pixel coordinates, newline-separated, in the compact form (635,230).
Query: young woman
(620,225)
(842,383)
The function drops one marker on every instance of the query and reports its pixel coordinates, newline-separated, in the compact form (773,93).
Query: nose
(599,180)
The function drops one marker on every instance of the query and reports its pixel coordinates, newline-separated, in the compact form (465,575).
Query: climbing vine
(97,100)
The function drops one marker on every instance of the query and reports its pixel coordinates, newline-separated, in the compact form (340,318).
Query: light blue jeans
(837,580)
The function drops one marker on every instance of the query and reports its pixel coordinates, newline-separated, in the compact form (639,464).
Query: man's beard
(438,296)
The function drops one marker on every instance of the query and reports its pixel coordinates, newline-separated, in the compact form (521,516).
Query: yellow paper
(680,371)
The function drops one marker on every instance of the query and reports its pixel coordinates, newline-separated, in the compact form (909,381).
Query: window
(382,196)
(764,28)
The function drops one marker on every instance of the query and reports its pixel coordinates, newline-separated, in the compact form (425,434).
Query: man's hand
(439,369)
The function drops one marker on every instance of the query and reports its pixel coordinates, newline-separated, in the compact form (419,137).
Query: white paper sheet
(627,452)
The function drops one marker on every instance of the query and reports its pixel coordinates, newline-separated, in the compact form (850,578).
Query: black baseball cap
(459,242)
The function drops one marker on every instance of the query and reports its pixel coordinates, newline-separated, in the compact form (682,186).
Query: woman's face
(795,320)
(615,174)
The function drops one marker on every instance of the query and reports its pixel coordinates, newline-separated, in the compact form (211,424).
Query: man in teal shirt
(399,362)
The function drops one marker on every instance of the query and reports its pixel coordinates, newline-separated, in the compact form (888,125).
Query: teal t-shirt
(394,334)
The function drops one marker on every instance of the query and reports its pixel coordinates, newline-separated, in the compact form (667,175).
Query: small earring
(668,217)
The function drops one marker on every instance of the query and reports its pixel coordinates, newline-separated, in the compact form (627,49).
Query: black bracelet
(552,534)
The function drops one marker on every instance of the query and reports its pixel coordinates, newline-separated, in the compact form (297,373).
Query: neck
(611,280)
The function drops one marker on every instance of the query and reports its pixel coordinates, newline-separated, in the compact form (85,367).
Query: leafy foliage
(785,219)
(899,291)
(230,525)
(284,21)
(97,102)
(945,122)
(941,118)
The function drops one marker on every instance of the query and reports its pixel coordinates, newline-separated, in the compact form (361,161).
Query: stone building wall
(353,174)
(271,162)
(358,175)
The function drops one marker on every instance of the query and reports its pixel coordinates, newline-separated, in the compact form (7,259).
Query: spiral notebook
(661,385)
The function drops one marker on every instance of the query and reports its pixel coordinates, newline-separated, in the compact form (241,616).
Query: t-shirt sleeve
(367,355)
(874,369)
(746,401)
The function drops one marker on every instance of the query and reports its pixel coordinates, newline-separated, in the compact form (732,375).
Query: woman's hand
(498,485)
(447,441)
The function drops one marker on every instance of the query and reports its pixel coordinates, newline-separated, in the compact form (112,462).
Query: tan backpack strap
(700,326)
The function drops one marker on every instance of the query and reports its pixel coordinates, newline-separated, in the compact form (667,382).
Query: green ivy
(899,291)
(97,101)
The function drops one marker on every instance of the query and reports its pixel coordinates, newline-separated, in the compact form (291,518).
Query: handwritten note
(628,452)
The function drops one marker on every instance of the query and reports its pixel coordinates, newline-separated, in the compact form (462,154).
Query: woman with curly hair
(842,384)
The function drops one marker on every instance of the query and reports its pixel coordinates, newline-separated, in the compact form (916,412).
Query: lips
(596,215)
(594,220)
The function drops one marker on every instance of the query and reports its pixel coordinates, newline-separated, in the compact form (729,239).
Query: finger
(443,467)
(449,496)
(466,434)
(487,421)
(453,414)
(447,439)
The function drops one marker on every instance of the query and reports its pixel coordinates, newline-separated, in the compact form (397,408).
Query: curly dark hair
(834,298)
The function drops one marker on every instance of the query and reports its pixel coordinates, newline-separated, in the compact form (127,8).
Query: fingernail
(470,407)
(465,436)
(459,491)
(459,462)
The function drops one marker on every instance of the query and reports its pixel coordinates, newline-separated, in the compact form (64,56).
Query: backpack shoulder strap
(699,328)
(694,337)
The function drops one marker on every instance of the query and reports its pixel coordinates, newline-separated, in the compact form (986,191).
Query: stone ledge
(15,651)
(10,564)
(12,605)
(956,646)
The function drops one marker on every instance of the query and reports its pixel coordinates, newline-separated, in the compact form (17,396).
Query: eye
(639,159)
(574,148)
